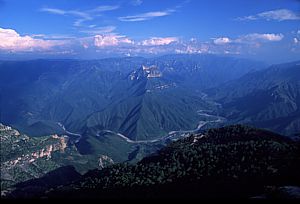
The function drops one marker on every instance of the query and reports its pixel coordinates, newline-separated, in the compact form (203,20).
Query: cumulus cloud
(250,43)
(261,37)
(155,41)
(277,15)
(193,49)
(107,42)
(12,41)
(222,41)
(251,38)
(147,16)
(110,40)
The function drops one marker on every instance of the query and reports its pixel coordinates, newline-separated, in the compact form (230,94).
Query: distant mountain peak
(152,71)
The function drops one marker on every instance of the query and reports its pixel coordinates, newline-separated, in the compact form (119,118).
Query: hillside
(37,95)
(230,162)
(149,108)
(24,158)
(268,98)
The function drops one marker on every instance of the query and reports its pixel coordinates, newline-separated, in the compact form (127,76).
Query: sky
(267,30)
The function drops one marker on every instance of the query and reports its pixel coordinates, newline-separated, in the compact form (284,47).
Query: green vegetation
(24,158)
(234,161)
(112,94)
(269,98)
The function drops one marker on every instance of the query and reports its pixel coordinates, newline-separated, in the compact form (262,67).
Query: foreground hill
(230,162)
(24,158)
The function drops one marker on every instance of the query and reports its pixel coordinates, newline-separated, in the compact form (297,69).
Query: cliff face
(42,152)
(105,161)
(24,157)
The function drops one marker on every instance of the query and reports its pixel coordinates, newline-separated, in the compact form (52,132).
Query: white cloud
(105,8)
(193,49)
(222,41)
(110,40)
(54,11)
(103,40)
(278,15)
(261,37)
(11,41)
(252,39)
(296,41)
(155,41)
(146,16)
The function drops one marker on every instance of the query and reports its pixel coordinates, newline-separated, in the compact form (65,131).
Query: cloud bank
(11,41)
(222,41)
(112,44)
(155,41)
(110,40)
(262,37)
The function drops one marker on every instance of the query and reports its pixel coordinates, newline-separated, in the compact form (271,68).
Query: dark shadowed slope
(269,98)
(230,162)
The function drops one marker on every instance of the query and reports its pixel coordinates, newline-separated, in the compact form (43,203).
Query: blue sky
(266,30)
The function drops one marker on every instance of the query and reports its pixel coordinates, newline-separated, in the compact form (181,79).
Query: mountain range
(36,95)
(71,116)
(267,98)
